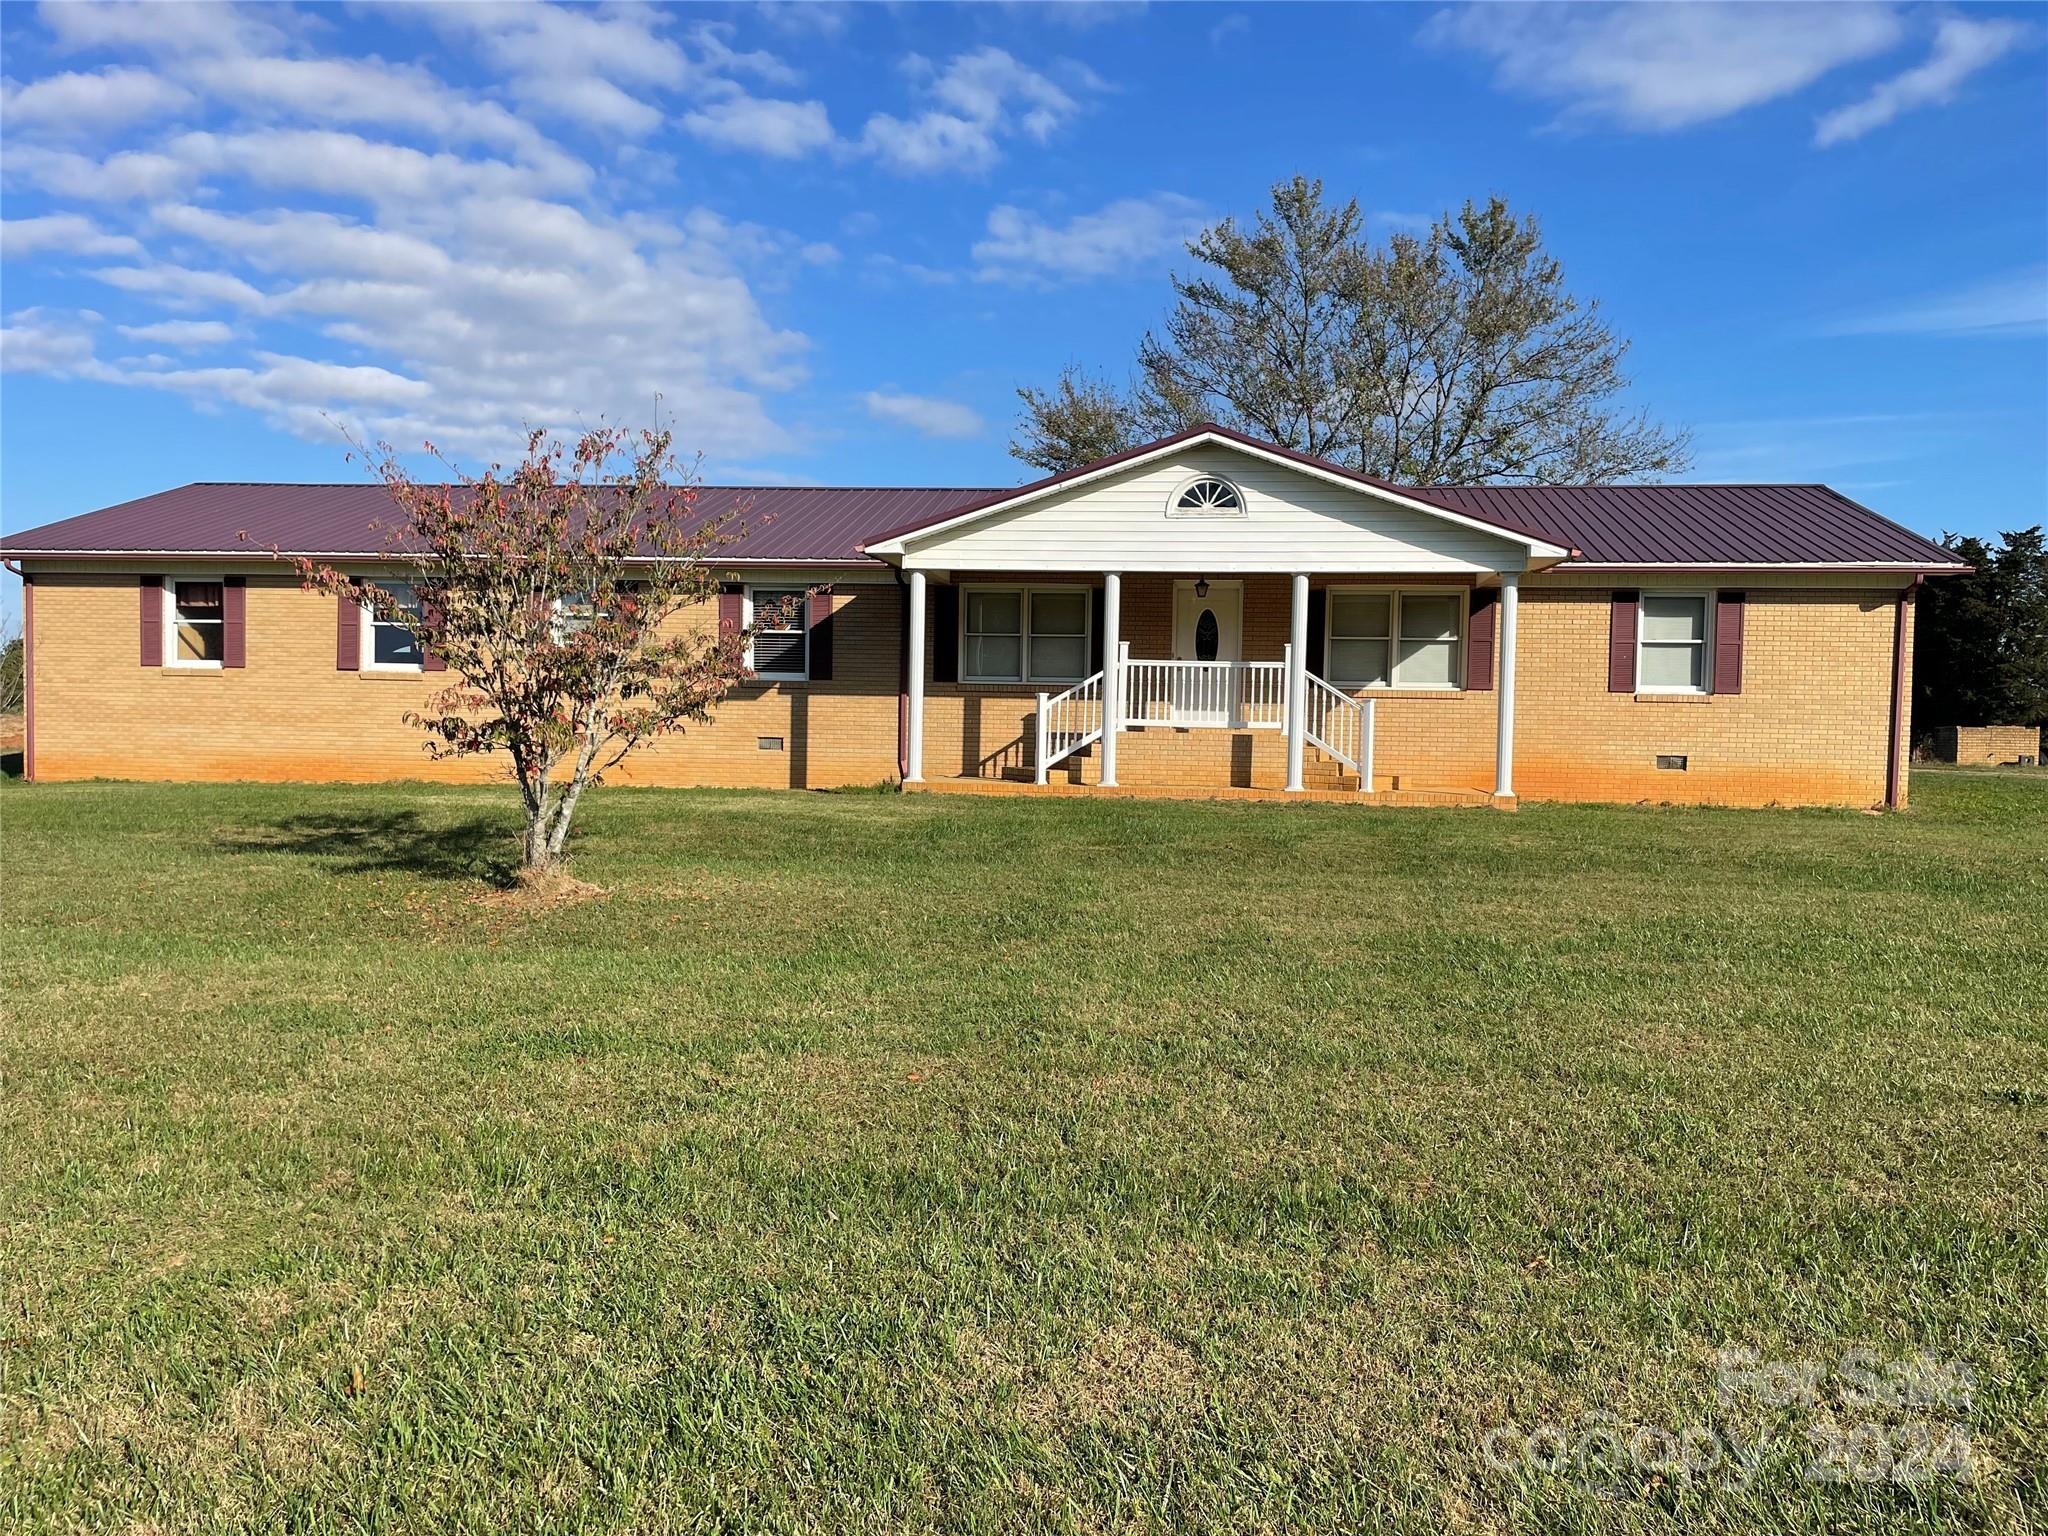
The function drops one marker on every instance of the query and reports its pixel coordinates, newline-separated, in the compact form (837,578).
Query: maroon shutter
(732,610)
(348,634)
(1728,642)
(1480,624)
(152,621)
(430,614)
(1621,644)
(821,635)
(1318,630)
(945,627)
(1098,610)
(234,622)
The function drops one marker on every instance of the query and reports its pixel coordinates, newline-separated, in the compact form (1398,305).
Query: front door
(1208,627)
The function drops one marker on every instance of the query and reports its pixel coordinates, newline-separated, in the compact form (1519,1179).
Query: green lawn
(866,1163)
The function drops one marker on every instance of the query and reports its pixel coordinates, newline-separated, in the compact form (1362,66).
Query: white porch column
(1504,731)
(914,766)
(1297,679)
(1112,672)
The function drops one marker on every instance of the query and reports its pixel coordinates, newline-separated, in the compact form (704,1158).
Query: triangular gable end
(1150,510)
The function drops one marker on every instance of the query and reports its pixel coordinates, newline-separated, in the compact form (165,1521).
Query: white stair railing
(1231,695)
(1067,722)
(1341,726)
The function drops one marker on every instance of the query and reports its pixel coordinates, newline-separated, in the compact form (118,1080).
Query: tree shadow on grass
(373,842)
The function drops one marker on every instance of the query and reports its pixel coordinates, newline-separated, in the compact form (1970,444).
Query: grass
(867,1163)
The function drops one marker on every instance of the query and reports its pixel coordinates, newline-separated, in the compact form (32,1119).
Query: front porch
(1216,718)
(1254,622)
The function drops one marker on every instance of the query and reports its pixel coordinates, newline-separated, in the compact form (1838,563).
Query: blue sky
(834,239)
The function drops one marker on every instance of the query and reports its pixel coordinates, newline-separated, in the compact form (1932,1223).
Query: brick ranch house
(1248,621)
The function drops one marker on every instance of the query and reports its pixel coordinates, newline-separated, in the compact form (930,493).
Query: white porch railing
(1340,725)
(1067,722)
(1214,695)
(1229,695)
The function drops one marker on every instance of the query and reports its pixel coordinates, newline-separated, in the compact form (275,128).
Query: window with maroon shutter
(234,649)
(152,621)
(1480,625)
(1728,616)
(348,634)
(1621,643)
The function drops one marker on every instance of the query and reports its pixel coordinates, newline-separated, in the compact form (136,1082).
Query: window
(392,646)
(1395,639)
(1025,634)
(1428,654)
(1361,637)
(1059,635)
(1206,496)
(199,616)
(574,614)
(780,638)
(994,651)
(1671,642)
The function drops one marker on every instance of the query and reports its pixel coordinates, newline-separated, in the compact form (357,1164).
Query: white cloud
(426,263)
(923,414)
(33,341)
(120,178)
(181,333)
(67,232)
(785,129)
(148,26)
(981,98)
(1132,232)
(108,99)
(2013,304)
(1961,48)
(1662,67)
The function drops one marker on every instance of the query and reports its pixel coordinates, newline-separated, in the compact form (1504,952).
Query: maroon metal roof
(1605,524)
(782,523)
(1700,524)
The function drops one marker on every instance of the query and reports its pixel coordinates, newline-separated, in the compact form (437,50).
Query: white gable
(1294,519)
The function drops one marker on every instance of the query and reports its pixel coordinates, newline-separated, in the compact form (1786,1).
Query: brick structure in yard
(1722,645)
(1989,745)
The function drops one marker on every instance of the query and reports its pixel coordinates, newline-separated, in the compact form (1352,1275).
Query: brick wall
(1987,744)
(289,714)
(1810,727)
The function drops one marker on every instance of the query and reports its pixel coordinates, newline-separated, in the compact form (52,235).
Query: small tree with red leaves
(548,593)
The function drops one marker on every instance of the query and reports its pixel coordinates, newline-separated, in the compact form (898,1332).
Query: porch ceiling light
(1202,587)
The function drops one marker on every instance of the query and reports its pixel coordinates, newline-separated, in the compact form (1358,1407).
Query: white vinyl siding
(1292,521)
(1671,642)
(1395,639)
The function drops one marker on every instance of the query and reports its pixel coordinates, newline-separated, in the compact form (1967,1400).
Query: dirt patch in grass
(539,891)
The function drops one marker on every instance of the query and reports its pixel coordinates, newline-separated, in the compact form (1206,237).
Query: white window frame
(1705,641)
(367,636)
(1027,673)
(170,621)
(803,628)
(1393,684)
(1175,510)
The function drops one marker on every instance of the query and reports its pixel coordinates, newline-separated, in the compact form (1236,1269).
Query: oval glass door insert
(1206,636)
